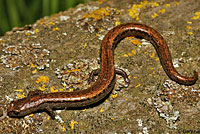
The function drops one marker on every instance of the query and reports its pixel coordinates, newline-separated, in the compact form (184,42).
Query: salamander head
(20,108)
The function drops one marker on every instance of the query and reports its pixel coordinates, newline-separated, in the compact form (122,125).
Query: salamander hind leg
(117,71)
(50,112)
(93,74)
(124,75)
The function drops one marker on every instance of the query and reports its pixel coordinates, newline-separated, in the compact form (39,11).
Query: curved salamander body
(36,101)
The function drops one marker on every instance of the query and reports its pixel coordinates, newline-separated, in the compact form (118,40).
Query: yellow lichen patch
(133,51)
(56,29)
(34,71)
(137,85)
(37,31)
(19,90)
(189,27)
(84,45)
(130,54)
(154,15)
(167,5)
(21,95)
(101,110)
(72,123)
(32,65)
(98,14)
(157,59)
(136,42)
(152,55)
(52,89)
(61,89)
(162,11)
(42,79)
(197,16)
(151,68)
(51,23)
(153,4)
(31,115)
(135,10)
(101,1)
(28,33)
(63,128)
(73,70)
(145,52)
(190,33)
(177,3)
(84,110)
(152,73)
(125,55)
(114,95)
(42,88)
(117,23)
(70,90)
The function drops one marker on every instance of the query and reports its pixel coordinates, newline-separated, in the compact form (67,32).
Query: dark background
(17,13)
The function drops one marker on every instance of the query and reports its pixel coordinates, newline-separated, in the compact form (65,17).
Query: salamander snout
(12,111)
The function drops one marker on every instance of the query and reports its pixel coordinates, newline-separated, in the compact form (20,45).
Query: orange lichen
(135,10)
(28,33)
(51,23)
(21,95)
(152,55)
(73,70)
(42,79)
(98,14)
(56,29)
(133,51)
(130,54)
(136,42)
(52,89)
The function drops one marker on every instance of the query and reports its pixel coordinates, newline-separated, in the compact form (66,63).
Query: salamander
(38,101)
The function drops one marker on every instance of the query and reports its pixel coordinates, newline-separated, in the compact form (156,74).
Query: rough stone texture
(37,57)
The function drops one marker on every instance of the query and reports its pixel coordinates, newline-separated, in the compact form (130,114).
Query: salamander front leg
(124,75)
(117,71)
(50,112)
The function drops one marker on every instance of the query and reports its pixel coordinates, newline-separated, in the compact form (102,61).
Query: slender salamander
(37,101)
